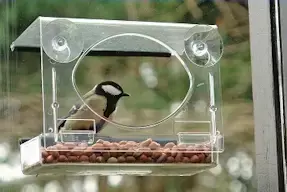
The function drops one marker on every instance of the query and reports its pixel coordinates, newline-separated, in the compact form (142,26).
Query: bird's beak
(125,95)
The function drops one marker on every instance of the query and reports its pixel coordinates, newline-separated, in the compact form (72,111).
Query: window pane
(21,104)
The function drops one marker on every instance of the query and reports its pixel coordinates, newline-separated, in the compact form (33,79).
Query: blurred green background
(21,105)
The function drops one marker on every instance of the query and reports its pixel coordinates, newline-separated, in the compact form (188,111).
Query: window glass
(21,104)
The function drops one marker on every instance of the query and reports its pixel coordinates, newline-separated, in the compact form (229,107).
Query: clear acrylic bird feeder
(186,140)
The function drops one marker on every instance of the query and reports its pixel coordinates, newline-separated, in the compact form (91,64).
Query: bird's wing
(108,113)
(99,125)
(74,109)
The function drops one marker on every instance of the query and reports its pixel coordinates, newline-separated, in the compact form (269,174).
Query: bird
(103,99)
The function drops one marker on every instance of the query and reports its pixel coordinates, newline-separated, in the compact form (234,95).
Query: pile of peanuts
(147,151)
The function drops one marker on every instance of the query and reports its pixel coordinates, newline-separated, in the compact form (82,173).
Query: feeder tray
(64,42)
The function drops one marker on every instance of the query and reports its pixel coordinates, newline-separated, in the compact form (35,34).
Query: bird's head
(110,89)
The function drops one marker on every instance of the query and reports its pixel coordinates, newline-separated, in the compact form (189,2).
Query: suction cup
(62,41)
(203,45)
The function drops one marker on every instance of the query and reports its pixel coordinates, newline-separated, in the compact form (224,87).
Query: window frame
(269,75)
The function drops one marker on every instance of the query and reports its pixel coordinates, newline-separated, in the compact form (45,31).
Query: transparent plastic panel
(172,115)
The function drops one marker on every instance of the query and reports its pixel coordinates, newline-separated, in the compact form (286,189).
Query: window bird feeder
(135,149)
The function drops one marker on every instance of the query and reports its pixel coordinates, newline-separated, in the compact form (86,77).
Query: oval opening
(149,81)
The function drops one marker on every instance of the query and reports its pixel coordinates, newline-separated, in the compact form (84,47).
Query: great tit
(103,99)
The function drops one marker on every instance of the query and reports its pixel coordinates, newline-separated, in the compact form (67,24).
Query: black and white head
(110,90)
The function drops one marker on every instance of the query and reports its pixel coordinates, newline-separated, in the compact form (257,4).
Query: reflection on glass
(21,105)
